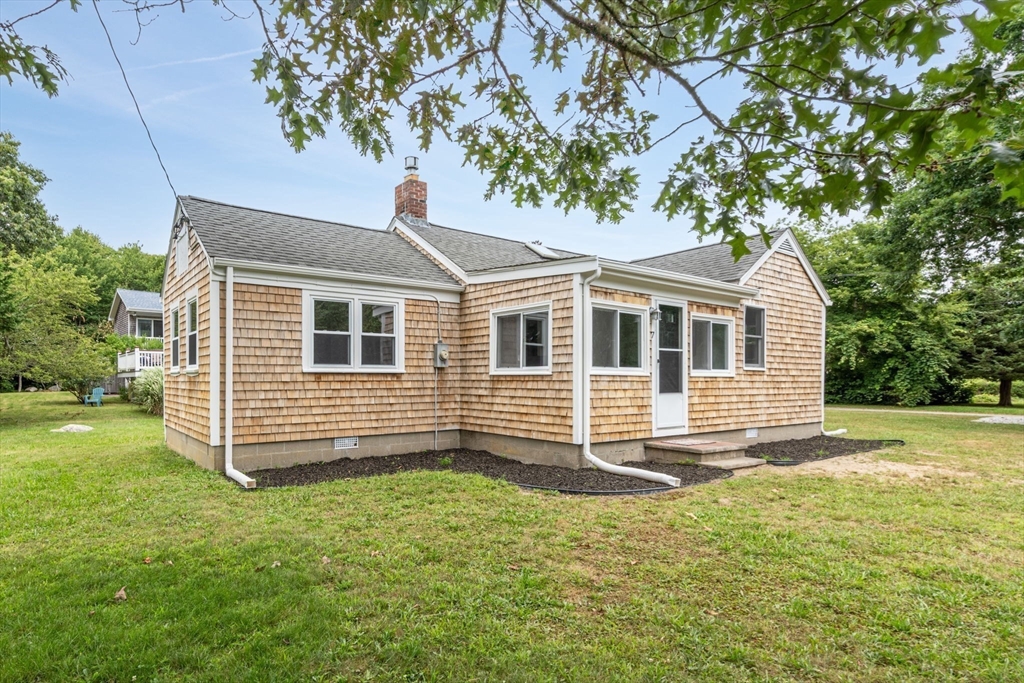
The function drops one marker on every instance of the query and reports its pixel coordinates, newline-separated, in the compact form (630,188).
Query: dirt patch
(869,464)
(488,465)
(815,448)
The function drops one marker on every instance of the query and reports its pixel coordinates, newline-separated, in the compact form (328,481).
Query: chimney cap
(412,164)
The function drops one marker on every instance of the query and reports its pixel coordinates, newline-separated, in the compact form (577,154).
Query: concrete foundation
(251,457)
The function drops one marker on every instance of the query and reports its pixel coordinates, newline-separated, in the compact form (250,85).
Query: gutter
(657,477)
(229,385)
(329,274)
(669,278)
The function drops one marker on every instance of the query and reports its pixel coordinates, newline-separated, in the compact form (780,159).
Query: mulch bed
(816,448)
(489,465)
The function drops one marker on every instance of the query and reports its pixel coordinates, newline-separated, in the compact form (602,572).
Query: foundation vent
(346,442)
(751,432)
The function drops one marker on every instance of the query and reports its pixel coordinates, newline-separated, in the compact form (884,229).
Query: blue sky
(191,74)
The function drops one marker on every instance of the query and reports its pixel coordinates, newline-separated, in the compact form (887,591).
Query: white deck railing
(139,359)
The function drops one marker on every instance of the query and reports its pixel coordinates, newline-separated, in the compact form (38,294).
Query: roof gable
(136,301)
(713,261)
(242,234)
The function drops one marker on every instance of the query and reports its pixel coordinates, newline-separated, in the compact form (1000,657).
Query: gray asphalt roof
(235,232)
(135,300)
(714,261)
(472,251)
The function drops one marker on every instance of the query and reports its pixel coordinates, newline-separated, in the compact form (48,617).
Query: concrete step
(733,463)
(698,450)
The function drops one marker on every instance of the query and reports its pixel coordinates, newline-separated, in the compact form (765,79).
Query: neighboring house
(296,340)
(137,314)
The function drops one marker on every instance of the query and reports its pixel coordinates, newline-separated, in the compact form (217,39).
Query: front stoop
(719,454)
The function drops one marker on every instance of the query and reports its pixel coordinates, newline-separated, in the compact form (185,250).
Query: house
(296,340)
(137,314)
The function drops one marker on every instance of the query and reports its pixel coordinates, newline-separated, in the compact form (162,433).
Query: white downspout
(656,477)
(229,383)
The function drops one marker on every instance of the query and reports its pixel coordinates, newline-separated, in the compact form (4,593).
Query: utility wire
(138,109)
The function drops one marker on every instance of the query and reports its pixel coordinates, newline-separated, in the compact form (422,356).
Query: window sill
(754,369)
(620,372)
(192,372)
(175,372)
(513,372)
(353,371)
(712,373)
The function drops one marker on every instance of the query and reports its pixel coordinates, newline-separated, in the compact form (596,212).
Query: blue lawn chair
(96,399)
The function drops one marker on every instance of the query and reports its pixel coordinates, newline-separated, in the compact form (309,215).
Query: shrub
(147,391)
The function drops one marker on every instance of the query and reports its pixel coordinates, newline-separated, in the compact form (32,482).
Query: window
(521,340)
(175,341)
(711,345)
(378,337)
(148,327)
(192,333)
(753,337)
(617,339)
(332,332)
(181,251)
(351,335)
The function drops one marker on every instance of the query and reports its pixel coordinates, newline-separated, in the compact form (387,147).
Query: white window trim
(730,352)
(175,336)
(764,340)
(191,368)
(645,315)
(539,307)
(355,302)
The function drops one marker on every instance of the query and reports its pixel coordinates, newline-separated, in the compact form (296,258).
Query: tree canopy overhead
(821,125)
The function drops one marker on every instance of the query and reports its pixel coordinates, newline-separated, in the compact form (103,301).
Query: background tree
(47,345)
(25,226)
(556,99)
(994,320)
(889,338)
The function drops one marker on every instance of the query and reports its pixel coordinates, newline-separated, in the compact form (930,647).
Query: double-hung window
(521,340)
(753,338)
(711,345)
(192,333)
(350,334)
(617,339)
(175,341)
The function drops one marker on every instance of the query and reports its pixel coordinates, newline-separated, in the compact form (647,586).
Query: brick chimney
(411,195)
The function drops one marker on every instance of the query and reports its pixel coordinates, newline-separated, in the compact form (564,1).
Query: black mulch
(489,465)
(816,448)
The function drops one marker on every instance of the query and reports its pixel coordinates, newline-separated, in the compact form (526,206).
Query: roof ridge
(699,246)
(279,213)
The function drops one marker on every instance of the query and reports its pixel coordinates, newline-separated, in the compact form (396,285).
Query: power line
(138,109)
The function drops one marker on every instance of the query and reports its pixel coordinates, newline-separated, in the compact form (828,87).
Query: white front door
(670,368)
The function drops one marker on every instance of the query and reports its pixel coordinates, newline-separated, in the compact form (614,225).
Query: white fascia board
(144,311)
(113,307)
(801,256)
(437,254)
(302,277)
(569,266)
(665,283)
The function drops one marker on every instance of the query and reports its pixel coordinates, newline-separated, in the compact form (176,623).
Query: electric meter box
(440,355)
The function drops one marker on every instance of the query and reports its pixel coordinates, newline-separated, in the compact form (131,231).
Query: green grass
(989,408)
(441,576)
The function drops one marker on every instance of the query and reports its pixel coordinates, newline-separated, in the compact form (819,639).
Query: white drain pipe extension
(834,432)
(587,345)
(229,384)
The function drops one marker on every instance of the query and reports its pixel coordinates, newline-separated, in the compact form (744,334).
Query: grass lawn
(784,574)
(987,408)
